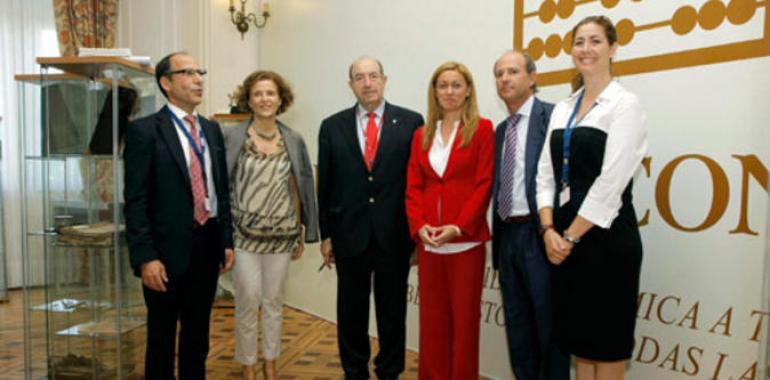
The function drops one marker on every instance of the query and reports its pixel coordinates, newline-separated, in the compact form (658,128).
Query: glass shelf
(70,305)
(104,329)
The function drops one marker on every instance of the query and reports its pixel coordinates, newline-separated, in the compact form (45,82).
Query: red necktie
(200,214)
(370,148)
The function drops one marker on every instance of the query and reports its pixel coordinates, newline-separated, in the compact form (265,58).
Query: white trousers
(259,279)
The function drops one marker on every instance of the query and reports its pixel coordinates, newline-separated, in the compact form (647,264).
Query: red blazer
(461,196)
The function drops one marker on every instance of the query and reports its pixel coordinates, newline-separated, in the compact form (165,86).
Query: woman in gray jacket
(274,213)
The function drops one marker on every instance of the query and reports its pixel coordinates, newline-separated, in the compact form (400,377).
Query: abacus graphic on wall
(710,21)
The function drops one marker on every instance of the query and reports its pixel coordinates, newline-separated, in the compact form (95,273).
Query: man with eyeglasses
(362,158)
(177,219)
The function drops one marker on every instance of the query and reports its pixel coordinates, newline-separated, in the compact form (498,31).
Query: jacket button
(371,178)
(371,200)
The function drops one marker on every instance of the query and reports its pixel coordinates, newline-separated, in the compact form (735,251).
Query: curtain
(27,30)
(85,23)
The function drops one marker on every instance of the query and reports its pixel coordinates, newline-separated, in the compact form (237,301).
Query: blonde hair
(470,118)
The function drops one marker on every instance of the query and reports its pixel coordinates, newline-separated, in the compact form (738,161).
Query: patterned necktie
(370,148)
(507,166)
(200,214)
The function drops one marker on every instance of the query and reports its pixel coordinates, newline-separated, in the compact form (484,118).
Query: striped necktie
(507,166)
(200,214)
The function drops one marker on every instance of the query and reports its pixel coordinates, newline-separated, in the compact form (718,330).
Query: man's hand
(154,275)
(229,260)
(326,252)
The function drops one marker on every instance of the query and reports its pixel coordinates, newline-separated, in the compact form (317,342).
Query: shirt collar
(526,109)
(362,112)
(610,92)
(437,134)
(180,113)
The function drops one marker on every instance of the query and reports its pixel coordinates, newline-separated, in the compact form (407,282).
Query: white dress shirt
(362,119)
(439,158)
(619,114)
(211,199)
(520,205)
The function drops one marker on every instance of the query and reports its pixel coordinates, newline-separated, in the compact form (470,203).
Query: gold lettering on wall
(720,192)
(751,168)
(754,168)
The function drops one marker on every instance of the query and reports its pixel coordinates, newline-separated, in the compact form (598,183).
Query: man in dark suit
(177,219)
(517,245)
(362,158)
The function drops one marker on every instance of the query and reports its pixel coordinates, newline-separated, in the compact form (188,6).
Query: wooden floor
(309,345)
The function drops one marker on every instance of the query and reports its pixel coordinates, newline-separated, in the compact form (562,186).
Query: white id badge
(564,196)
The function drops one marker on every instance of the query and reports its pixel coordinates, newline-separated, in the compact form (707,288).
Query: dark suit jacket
(354,205)
(536,131)
(158,194)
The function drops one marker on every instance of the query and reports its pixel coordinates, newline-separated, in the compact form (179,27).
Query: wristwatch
(570,239)
(545,227)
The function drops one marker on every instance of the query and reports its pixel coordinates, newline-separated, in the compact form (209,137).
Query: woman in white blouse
(449,183)
(595,143)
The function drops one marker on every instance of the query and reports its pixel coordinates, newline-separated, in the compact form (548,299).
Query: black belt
(518,219)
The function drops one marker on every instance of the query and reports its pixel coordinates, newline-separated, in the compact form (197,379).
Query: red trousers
(450,313)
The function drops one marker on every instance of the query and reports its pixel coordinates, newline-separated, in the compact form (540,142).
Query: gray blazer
(301,168)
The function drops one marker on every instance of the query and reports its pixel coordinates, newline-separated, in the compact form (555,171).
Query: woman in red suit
(449,184)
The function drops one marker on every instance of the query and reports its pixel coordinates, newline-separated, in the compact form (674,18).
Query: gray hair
(361,58)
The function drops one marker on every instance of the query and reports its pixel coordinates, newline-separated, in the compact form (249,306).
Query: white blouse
(439,158)
(619,114)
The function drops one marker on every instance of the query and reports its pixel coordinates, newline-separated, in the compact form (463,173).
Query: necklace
(266,136)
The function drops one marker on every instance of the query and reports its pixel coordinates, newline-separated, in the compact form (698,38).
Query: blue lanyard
(566,143)
(199,151)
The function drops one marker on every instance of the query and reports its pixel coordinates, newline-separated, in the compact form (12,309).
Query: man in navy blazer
(362,215)
(517,245)
(178,224)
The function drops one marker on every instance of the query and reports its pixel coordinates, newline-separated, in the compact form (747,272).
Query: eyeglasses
(188,72)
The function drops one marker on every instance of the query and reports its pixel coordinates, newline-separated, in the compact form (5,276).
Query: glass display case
(83,308)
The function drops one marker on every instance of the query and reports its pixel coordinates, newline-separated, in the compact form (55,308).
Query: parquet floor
(309,345)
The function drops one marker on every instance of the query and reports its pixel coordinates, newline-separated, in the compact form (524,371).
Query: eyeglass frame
(187,72)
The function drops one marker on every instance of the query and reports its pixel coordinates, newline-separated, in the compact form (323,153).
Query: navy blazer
(158,194)
(536,132)
(354,205)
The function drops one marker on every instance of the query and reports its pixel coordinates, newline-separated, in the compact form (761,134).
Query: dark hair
(243,92)
(163,68)
(609,32)
(529,66)
(379,64)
